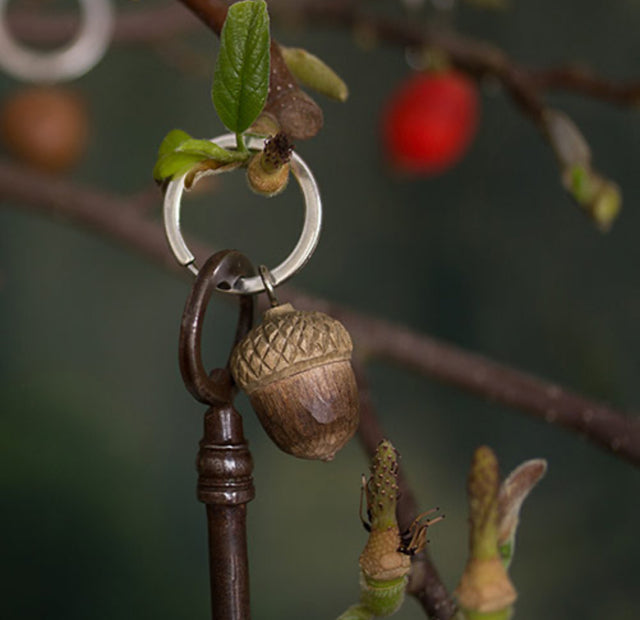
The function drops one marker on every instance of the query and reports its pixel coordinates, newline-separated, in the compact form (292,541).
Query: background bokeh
(98,435)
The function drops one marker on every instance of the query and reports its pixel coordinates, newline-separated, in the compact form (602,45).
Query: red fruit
(46,127)
(430,121)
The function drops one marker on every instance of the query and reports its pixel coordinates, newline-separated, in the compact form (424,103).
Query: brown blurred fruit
(47,127)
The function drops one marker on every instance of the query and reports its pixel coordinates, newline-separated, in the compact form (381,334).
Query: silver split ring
(71,61)
(300,254)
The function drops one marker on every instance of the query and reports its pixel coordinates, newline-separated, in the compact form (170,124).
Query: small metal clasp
(71,61)
(301,252)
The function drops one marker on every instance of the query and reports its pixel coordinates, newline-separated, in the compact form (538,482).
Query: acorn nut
(295,366)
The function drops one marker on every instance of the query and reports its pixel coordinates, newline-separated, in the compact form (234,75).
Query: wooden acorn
(295,366)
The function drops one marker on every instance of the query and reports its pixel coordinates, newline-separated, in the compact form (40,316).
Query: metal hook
(220,272)
(71,61)
(300,254)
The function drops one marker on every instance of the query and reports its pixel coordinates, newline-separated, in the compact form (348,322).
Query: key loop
(300,254)
(71,61)
(220,272)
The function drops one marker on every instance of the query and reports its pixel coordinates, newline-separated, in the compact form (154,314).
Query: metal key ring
(73,60)
(301,252)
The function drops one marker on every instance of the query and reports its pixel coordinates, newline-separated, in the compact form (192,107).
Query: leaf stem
(241,147)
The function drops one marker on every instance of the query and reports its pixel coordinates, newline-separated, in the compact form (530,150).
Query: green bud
(314,73)
(485,588)
(382,487)
(606,205)
(482,487)
(599,197)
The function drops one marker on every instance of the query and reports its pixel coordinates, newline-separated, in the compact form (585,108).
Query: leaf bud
(268,171)
(485,590)
(314,73)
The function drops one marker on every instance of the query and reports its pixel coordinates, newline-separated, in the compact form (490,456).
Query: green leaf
(175,164)
(241,76)
(179,152)
(172,141)
(210,150)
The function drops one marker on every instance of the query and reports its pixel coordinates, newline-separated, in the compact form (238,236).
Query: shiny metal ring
(71,61)
(301,252)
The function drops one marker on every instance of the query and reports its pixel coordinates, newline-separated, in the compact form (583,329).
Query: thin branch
(426,585)
(154,24)
(584,81)
(295,112)
(121,220)
(147,25)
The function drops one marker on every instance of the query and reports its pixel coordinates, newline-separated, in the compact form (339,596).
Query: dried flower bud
(268,171)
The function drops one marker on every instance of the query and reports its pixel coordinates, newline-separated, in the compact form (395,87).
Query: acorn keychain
(295,366)
(47,125)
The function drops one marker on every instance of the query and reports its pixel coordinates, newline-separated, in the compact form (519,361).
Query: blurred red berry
(430,121)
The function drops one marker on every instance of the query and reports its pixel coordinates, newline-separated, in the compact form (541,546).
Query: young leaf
(175,164)
(172,141)
(241,76)
(210,150)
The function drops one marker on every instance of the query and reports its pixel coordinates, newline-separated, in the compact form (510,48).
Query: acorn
(296,368)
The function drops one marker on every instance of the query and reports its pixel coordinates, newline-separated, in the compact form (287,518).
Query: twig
(120,220)
(583,81)
(426,584)
(153,24)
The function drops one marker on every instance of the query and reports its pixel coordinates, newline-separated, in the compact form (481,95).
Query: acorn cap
(288,342)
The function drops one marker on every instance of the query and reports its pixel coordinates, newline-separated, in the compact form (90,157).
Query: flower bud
(485,588)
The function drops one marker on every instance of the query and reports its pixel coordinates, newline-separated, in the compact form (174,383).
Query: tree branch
(154,24)
(122,220)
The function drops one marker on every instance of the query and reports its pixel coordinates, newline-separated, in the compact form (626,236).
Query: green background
(98,435)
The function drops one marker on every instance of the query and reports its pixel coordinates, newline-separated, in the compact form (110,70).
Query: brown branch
(148,25)
(122,221)
(583,81)
(295,112)
(154,24)
(426,585)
